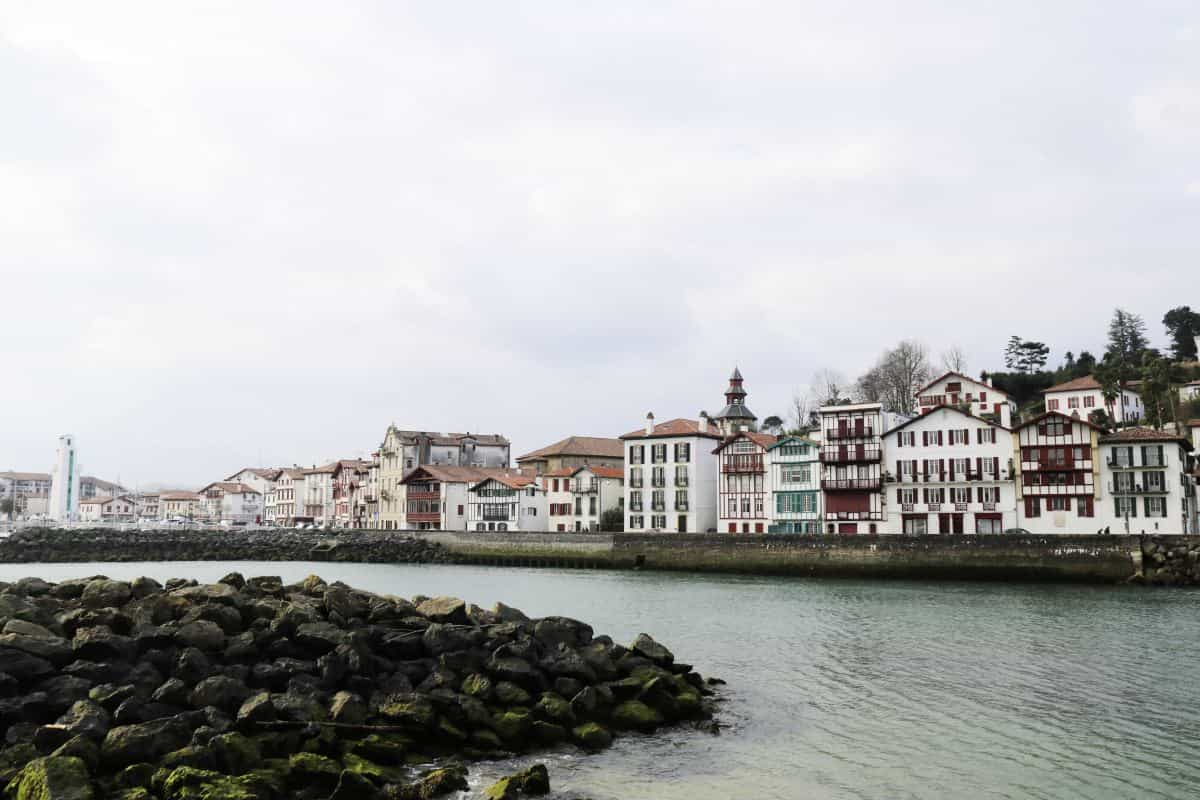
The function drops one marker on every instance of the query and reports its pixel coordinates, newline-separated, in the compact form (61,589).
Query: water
(857,689)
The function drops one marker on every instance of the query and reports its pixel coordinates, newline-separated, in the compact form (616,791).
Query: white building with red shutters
(1058,474)
(438,498)
(978,397)
(577,497)
(506,502)
(744,485)
(949,472)
(671,476)
(851,459)
(1078,398)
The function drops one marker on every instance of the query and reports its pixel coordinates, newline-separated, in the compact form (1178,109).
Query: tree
(1183,326)
(828,387)
(612,521)
(801,414)
(1025,355)
(1110,388)
(1157,396)
(772,425)
(1126,343)
(1012,352)
(955,360)
(896,377)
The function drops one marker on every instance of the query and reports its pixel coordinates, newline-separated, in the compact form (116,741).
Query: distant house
(179,504)
(436,498)
(108,509)
(1078,398)
(230,501)
(572,452)
(1057,461)
(508,502)
(682,449)
(977,397)
(576,497)
(852,466)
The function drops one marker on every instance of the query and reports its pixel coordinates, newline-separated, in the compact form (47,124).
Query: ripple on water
(856,689)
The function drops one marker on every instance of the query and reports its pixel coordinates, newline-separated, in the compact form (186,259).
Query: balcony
(1116,488)
(850,455)
(865,432)
(635,508)
(681,505)
(1115,464)
(658,506)
(743,463)
(849,484)
(492,517)
(423,495)
(681,482)
(585,487)
(423,516)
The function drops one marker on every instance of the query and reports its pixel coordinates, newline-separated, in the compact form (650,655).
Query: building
(793,475)
(949,472)
(735,417)
(1148,480)
(368,494)
(287,498)
(180,505)
(317,501)
(91,486)
(975,397)
(261,479)
(572,452)
(108,509)
(1057,474)
(349,499)
(437,497)
(510,502)
(402,451)
(148,505)
(28,491)
(744,485)
(578,497)
(851,459)
(681,448)
(230,501)
(1189,391)
(64,482)
(1080,397)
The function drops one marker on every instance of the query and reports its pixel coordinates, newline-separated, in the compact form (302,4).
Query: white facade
(577,497)
(852,500)
(1058,475)
(949,472)
(180,504)
(686,500)
(794,478)
(108,509)
(227,501)
(744,483)
(953,389)
(509,503)
(318,501)
(1146,487)
(288,496)
(64,486)
(1080,397)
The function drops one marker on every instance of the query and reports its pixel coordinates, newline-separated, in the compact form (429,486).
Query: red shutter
(978,467)
(939,438)
(966,436)
(941,467)
(952,469)
(995,466)
(925,495)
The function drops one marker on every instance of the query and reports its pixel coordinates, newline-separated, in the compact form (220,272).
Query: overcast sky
(258,233)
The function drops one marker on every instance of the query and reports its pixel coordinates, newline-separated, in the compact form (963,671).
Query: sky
(258,233)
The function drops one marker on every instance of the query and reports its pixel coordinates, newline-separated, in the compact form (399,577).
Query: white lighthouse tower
(64,485)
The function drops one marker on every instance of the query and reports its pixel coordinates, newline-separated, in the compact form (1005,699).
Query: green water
(856,689)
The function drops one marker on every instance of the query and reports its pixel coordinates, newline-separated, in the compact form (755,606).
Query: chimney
(703,424)
(650,423)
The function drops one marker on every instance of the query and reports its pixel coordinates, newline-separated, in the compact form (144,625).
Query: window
(1122,457)
(1072,402)
(1033,508)
(1058,503)
(1152,455)
(989,494)
(635,477)
(1089,401)
(958,436)
(658,453)
(795,450)
(935,495)
(906,439)
(578,506)
(954,386)
(1126,507)
(916,526)
(658,476)
(959,467)
(1156,506)
(1056,456)
(658,500)
(683,453)
(637,522)
(960,494)
(681,476)
(983,397)
(681,500)
(1154,481)
(987,525)
(658,522)
(906,496)
(591,506)
(635,501)
(637,454)
(1052,404)
(906,469)
(797,473)
(1087,507)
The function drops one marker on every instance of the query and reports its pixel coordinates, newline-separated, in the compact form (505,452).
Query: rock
(99,643)
(477,685)
(103,593)
(509,694)
(319,637)
(145,587)
(553,631)
(192,666)
(547,732)
(505,613)
(439,638)
(554,708)
(80,747)
(636,715)
(202,634)
(234,753)
(85,718)
(646,647)
(514,670)
(144,742)
(52,778)
(25,628)
(235,580)
(209,593)
(436,783)
(23,666)
(348,708)
(412,710)
(110,695)
(353,786)
(532,782)
(512,725)
(310,768)
(445,609)
(255,709)
(220,692)
(294,707)
(592,736)
(172,692)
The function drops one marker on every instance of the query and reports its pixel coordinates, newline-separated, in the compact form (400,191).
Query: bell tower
(735,417)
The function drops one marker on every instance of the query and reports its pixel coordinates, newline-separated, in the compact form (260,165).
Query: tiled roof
(292,472)
(1143,435)
(511,481)
(457,474)
(782,440)
(674,427)
(975,381)
(1058,414)
(231,487)
(26,476)
(266,473)
(95,501)
(763,440)
(410,437)
(565,472)
(1087,382)
(606,472)
(179,496)
(579,446)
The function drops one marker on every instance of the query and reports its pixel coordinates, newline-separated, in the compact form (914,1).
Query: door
(849,528)
(957,522)
(943,523)
(682,527)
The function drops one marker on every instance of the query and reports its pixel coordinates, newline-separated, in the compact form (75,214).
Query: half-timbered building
(949,472)
(851,459)
(794,478)
(1058,474)
(506,503)
(744,484)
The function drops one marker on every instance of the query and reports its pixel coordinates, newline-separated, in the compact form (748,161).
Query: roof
(511,481)
(1144,435)
(266,473)
(411,437)
(353,464)
(605,472)
(782,440)
(26,476)
(324,469)
(763,440)
(95,501)
(1078,384)
(1060,415)
(470,475)
(231,487)
(977,381)
(1193,423)
(292,472)
(735,411)
(179,496)
(564,472)
(938,410)
(674,427)
(578,446)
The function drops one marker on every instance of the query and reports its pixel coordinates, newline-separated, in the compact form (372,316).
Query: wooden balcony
(414,517)
(1137,488)
(850,455)
(749,462)
(865,432)
(423,495)
(850,484)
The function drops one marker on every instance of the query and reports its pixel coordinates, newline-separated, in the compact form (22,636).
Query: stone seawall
(106,544)
(1162,560)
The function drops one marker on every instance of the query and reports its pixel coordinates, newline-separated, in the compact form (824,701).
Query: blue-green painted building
(795,480)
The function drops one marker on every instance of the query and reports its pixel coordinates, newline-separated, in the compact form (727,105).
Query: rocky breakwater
(1170,560)
(255,689)
(49,545)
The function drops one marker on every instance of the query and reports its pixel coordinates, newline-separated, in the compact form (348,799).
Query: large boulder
(54,649)
(203,634)
(145,742)
(531,782)
(22,665)
(104,593)
(553,631)
(85,718)
(440,638)
(52,778)
(219,691)
(445,609)
(646,647)
(99,643)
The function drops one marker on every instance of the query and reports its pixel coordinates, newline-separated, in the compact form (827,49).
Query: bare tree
(955,360)
(829,387)
(801,410)
(896,377)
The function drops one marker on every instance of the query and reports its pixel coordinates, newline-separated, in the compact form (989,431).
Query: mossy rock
(136,793)
(136,776)
(553,707)
(235,754)
(648,672)
(509,694)
(477,685)
(52,778)
(636,715)
(512,724)
(532,782)
(14,759)
(417,713)
(592,736)
(486,740)
(447,730)
(626,688)
(547,732)
(382,748)
(688,704)
(306,768)
(435,783)
(195,756)
(376,773)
